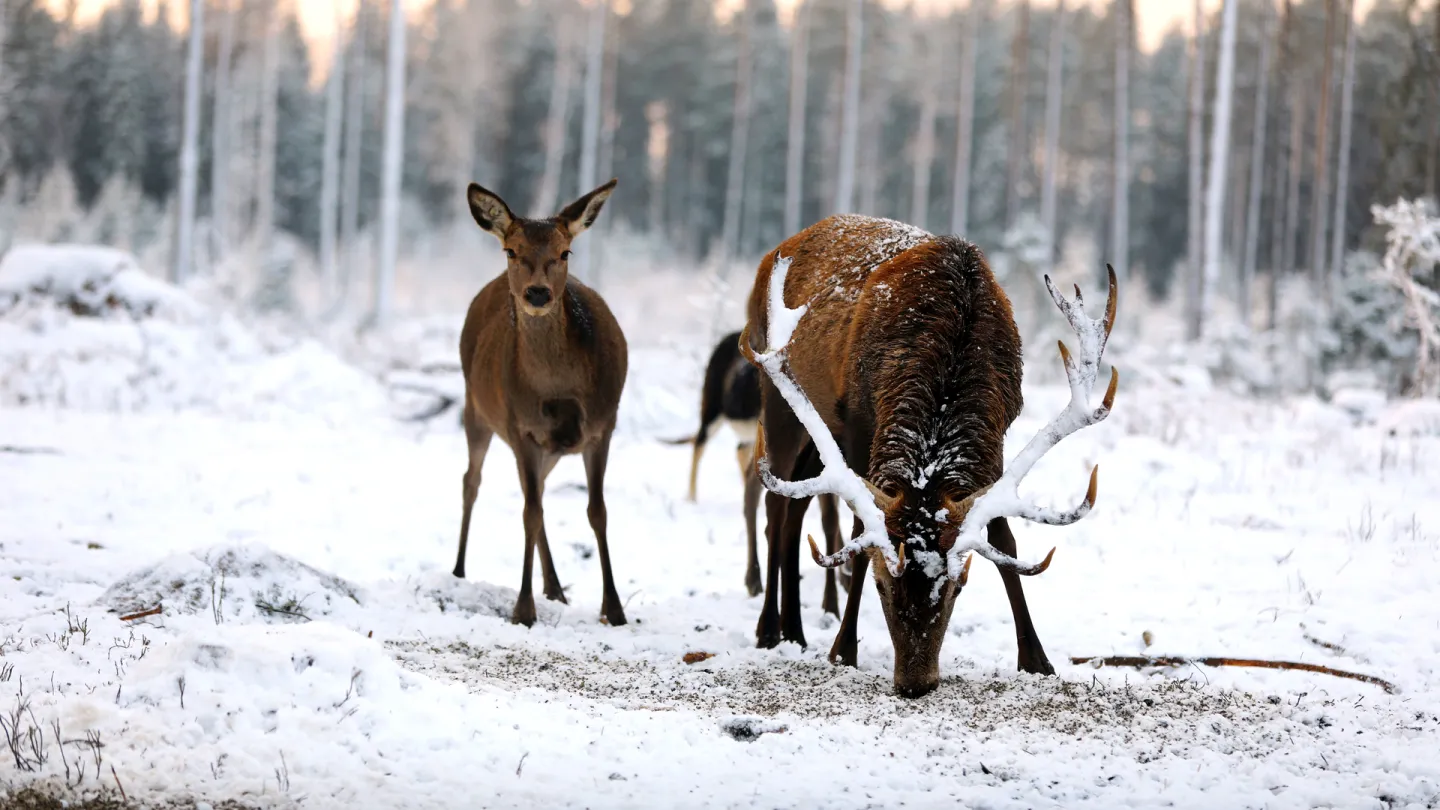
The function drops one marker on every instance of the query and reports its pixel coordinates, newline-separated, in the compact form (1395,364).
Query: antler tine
(1002,498)
(835,476)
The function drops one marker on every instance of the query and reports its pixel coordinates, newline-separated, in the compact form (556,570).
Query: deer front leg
(553,590)
(1031,653)
(843,651)
(532,484)
(596,457)
(830,524)
(478,438)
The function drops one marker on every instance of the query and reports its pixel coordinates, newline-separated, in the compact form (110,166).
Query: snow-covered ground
(314,650)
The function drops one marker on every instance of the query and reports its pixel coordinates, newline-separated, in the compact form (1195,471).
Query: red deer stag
(731,391)
(901,359)
(544,363)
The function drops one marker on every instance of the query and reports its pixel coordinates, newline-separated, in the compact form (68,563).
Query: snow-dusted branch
(1413,250)
(1002,499)
(835,477)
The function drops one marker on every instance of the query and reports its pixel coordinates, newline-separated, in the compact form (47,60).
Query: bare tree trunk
(739,135)
(1120,202)
(609,115)
(590,127)
(1197,155)
(220,129)
(330,157)
(795,134)
(850,116)
(394,150)
(925,136)
(1342,173)
(1257,168)
(547,196)
(1017,142)
(269,122)
(1053,89)
(350,170)
(1219,157)
(1321,192)
(965,123)
(660,152)
(190,146)
(1292,196)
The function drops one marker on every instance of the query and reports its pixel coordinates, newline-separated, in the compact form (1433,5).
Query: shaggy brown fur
(910,353)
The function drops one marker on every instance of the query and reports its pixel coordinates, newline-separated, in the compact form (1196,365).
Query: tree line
(1245,148)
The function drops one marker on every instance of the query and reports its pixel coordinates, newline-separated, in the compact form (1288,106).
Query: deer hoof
(524,614)
(752,583)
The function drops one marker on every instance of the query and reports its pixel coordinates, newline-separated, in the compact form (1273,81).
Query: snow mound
(83,327)
(1417,417)
(1364,405)
(88,281)
(233,583)
(472,598)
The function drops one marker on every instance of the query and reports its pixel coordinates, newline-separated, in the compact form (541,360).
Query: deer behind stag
(894,354)
(731,391)
(544,364)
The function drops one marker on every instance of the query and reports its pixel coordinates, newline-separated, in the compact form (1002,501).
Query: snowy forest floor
(315,651)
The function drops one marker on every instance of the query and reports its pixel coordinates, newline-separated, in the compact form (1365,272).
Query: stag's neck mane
(946,373)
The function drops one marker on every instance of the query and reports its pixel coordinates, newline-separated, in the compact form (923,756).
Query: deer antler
(835,477)
(1002,499)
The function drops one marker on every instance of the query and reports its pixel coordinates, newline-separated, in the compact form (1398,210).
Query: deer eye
(510,253)
(564,255)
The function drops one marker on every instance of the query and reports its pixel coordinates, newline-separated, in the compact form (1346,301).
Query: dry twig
(155,611)
(1216,661)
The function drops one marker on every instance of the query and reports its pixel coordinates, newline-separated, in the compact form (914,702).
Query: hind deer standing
(894,353)
(544,364)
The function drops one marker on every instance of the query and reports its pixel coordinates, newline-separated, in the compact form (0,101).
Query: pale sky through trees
(1153,17)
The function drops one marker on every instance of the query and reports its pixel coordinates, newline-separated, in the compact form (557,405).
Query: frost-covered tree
(1411,266)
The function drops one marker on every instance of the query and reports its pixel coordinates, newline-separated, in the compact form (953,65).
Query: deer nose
(537,296)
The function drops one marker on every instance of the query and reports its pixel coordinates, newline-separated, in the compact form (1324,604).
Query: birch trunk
(1342,172)
(1194,252)
(350,170)
(590,128)
(850,115)
(1054,86)
(269,122)
(965,123)
(739,136)
(795,135)
(390,165)
(1219,157)
(189,146)
(547,196)
(330,158)
(1257,170)
(925,135)
(1120,194)
(221,127)
(1018,143)
(1321,192)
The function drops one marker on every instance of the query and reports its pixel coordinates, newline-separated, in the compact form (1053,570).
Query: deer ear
(490,212)
(581,214)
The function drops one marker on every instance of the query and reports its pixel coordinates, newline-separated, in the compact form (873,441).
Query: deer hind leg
(843,651)
(830,522)
(528,458)
(596,457)
(753,487)
(553,589)
(478,437)
(1032,654)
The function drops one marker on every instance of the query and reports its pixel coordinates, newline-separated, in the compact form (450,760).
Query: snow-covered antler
(836,477)
(1002,499)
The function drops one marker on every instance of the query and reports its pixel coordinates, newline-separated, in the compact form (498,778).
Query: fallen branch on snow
(155,611)
(1215,661)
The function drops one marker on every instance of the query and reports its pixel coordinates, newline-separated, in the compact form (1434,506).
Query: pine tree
(390,177)
(190,146)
